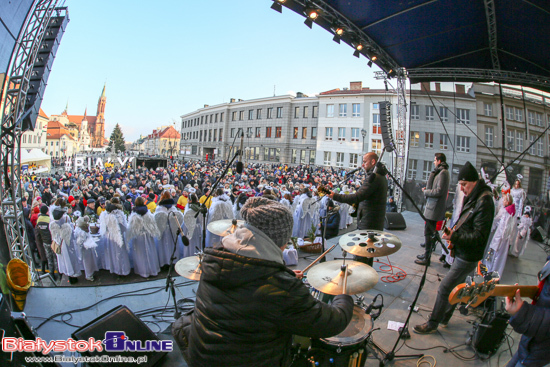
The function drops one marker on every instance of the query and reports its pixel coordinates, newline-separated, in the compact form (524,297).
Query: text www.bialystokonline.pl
(84,359)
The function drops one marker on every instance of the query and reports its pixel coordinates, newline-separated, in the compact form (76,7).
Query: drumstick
(345,268)
(319,258)
(360,356)
(356,359)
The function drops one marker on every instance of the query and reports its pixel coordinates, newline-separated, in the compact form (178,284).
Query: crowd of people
(140,212)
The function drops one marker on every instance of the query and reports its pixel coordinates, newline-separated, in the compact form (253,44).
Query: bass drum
(349,348)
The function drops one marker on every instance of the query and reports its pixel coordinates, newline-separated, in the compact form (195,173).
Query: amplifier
(489,334)
(394,221)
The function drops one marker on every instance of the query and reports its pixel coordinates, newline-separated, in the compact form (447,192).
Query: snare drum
(349,348)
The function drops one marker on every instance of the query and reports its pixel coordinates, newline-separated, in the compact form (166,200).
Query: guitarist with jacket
(468,238)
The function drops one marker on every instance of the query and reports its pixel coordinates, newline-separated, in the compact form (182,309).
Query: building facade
(164,141)
(59,141)
(36,139)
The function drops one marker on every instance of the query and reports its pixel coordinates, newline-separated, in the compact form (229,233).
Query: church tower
(99,131)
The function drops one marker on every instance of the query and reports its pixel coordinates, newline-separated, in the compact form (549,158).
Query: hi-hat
(189,267)
(328,277)
(224,227)
(370,243)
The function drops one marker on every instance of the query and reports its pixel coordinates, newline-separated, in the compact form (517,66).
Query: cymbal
(328,277)
(370,243)
(224,227)
(189,267)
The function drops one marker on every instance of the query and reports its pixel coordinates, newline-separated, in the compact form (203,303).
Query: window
(258,113)
(220,137)
(411,172)
(296,112)
(489,134)
(314,112)
(356,110)
(293,158)
(258,132)
(444,114)
(328,133)
(216,118)
(327,160)
(233,116)
(532,147)
(538,119)
(278,132)
(488,109)
(354,134)
(241,115)
(295,135)
(339,159)
(209,135)
(314,132)
(249,131)
(463,144)
(306,112)
(270,113)
(519,141)
(341,134)
(268,132)
(353,159)
(375,106)
(304,132)
(342,110)
(330,110)
(430,113)
(429,140)
(519,114)
(376,129)
(427,170)
(415,139)
(510,137)
(463,115)
(540,149)
(510,113)
(250,114)
(376,145)
(24,138)
(215,135)
(415,112)
(279,112)
(312,157)
(39,139)
(443,141)
(221,117)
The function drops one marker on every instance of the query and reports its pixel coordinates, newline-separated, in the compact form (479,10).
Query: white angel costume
(193,227)
(88,247)
(522,237)
(116,252)
(168,221)
(504,235)
(220,209)
(307,213)
(519,199)
(141,235)
(69,260)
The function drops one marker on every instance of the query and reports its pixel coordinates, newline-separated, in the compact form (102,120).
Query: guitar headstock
(323,190)
(473,295)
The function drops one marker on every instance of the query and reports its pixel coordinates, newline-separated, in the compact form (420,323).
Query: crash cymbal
(224,227)
(370,243)
(189,267)
(328,277)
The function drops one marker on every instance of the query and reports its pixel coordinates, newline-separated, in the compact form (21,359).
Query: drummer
(249,304)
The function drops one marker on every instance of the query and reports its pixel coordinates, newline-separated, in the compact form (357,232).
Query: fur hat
(468,173)
(270,217)
(83,223)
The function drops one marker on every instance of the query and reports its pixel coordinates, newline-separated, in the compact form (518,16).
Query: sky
(162,59)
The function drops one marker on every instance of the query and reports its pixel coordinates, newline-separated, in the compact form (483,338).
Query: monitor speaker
(394,221)
(489,334)
(120,319)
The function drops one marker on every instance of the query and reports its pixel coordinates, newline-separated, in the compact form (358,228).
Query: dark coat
(43,235)
(371,201)
(248,309)
(436,192)
(333,224)
(471,238)
(533,321)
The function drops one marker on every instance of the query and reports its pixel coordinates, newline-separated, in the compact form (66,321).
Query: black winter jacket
(248,309)
(471,238)
(371,200)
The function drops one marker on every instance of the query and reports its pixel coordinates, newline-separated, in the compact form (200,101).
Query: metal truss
(401,136)
(492,30)
(15,94)
(479,75)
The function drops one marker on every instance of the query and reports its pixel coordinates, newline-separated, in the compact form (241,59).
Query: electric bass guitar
(473,295)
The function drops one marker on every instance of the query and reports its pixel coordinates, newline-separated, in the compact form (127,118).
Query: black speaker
(134,331)
(385,126)
(394,221)
(489,334)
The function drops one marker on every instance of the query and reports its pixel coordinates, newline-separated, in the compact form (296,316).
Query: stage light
(339,31)
(369,63)
(374,58)
(359,47)
(336,39)
(309,22)
(312,13)
(277,5)
(356,53)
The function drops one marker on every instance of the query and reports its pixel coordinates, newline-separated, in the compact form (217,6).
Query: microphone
(353,171)
(184,238)
(240,167)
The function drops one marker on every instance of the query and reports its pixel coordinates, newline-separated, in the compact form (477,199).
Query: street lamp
(364,133)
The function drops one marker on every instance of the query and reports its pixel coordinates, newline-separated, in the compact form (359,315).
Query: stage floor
(44,302)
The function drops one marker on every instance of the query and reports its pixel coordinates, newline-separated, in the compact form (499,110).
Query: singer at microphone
(370,199)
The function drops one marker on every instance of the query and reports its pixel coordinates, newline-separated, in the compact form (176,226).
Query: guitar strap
(464,218)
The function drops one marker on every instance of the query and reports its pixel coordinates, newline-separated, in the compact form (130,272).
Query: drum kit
(328,279)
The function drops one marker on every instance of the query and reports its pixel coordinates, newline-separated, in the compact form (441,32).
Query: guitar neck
(502,290)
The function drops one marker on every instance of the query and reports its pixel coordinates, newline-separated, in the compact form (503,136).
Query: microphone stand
(169,278)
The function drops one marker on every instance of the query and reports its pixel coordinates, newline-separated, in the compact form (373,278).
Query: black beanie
(151,196)
(468,173)
(44,209)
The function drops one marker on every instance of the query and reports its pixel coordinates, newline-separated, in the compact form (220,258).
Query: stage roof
(446,40)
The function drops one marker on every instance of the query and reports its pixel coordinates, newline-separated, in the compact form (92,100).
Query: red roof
(43,114)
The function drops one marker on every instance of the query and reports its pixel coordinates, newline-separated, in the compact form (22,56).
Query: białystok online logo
(115,341)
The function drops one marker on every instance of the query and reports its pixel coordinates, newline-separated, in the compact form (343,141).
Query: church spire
(66,111)
(103,92)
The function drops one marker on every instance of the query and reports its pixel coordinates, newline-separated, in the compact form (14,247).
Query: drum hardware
(332,276)
(190,267)
(370,243)
(224,227)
